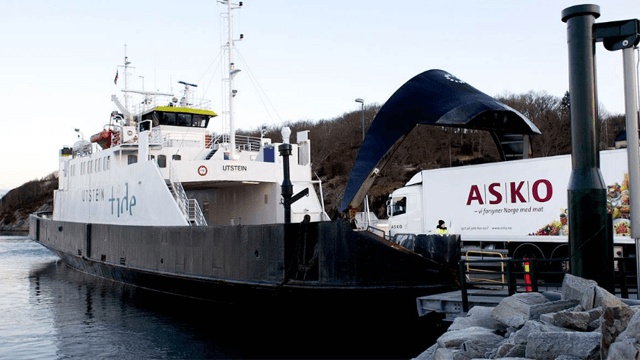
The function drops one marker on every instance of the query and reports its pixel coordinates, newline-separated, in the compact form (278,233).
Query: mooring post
(587,194)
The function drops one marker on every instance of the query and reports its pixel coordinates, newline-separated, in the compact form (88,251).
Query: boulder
(633,328)
(569,320)
(574,286)
(531,327)
(596,296)
(625,349)
(551,307)
(428,354)
(514,310)
(517,351)
(502,351)
(613,322)
(479,316)
(550,345)
(455,339)
(444,354)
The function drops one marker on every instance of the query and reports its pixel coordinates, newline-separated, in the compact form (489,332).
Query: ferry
(156,200)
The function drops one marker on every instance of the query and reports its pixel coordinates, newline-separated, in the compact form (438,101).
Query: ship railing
(243,142)
(161,100)
(195,213)
(183,140)
(155,138)
(189,207)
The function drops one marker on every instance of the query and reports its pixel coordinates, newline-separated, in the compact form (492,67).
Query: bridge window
(132,159)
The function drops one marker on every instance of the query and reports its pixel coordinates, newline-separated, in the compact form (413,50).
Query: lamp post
(361,101)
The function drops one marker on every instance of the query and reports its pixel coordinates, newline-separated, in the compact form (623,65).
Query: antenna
(187,84)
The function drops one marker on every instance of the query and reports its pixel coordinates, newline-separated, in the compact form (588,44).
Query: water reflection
(51,311)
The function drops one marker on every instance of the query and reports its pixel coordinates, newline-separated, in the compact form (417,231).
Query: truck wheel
(528,251)
(562,252)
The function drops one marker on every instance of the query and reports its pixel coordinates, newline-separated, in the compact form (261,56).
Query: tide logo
(510,193)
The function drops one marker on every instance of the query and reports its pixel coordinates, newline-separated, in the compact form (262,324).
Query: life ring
(202,170)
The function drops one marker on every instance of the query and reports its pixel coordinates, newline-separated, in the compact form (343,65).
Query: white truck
(519,207)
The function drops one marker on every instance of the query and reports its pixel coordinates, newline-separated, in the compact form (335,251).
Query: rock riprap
(587,322)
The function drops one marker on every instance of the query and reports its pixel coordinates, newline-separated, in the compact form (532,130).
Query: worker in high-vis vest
(441,228)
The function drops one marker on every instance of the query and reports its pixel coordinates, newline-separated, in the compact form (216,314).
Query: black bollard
(587,194)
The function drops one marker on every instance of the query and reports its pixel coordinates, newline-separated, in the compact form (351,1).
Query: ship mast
(232,73)
(126,86)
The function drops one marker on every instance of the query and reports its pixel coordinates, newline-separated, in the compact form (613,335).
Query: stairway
(210,155)
(189,207)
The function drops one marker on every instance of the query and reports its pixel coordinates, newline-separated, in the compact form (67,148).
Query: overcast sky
(312,59)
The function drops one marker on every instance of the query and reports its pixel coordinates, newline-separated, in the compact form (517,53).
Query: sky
(303,60)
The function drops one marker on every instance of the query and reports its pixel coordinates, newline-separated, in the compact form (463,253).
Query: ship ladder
(189,207)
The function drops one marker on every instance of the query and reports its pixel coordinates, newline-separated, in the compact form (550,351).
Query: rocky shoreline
(584,321)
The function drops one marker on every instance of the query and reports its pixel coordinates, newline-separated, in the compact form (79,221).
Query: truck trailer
(518,207)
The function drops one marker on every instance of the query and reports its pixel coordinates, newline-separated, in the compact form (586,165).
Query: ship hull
(322,268)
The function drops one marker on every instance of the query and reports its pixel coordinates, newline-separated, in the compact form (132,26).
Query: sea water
(50,311)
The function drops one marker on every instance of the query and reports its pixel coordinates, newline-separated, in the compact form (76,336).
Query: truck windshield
(399,206)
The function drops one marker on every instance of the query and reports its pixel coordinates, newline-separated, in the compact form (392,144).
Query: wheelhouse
(179,116)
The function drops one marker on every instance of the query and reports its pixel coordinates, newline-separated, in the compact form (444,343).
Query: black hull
(320,268)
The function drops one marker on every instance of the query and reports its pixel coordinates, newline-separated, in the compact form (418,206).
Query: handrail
(243,142)
(196,213)
(189,207)
(482,253)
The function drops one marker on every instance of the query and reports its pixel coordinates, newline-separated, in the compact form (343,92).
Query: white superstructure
(158,165)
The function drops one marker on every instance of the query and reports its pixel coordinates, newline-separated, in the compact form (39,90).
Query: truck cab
(404,209)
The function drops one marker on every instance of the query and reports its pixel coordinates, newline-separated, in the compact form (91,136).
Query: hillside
(335,143)
(17,204)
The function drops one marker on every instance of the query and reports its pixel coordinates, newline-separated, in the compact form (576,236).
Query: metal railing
(541,273)
(195,213)
(243,142)
(514,274)
(473,255)
(183,140)
(189,207)
(161,100)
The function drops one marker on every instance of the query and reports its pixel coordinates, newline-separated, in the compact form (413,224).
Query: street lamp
(361,101)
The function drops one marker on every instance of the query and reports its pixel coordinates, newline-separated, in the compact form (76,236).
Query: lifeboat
(103,138)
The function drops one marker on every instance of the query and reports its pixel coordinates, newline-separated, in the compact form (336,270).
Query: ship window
(132,159)
(99,165)
(399,206)
(200,121)
(168,119)
(90,167)
(106,162)
(183,120)
(176,157)
(162,161)
(82,168)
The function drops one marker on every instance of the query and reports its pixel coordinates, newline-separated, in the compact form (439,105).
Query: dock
(450,303)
